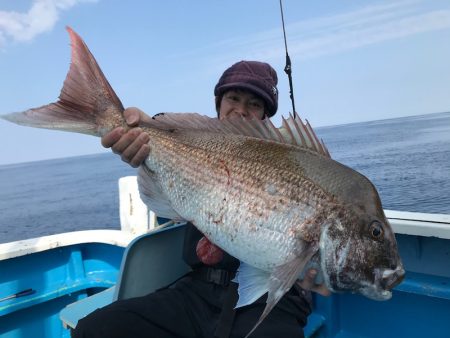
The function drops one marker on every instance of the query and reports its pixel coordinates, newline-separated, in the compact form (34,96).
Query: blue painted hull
(58,277)
(420,306)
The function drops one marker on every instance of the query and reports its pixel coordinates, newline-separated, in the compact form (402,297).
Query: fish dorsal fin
(302,134)
(293,131)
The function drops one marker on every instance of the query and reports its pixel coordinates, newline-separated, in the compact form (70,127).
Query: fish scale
(204,162)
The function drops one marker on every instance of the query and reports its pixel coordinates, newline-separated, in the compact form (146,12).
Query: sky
(352,60)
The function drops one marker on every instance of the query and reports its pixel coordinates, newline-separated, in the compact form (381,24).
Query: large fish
(271,197)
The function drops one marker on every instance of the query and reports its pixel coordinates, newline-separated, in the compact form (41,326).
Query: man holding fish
(271,197)
(202,303)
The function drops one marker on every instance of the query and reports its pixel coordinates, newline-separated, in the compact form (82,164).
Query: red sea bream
(271,197)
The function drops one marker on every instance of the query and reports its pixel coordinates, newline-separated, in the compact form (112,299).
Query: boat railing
(419,224)
(136,219)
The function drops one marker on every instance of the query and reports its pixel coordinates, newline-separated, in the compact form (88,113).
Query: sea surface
(408,160)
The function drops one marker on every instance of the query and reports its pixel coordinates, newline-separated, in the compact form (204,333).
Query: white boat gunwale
(136,219)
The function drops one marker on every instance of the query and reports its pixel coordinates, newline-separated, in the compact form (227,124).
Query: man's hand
(132,145)
(307,283)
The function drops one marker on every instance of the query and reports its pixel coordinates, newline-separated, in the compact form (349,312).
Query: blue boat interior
(56,277)
(420,306)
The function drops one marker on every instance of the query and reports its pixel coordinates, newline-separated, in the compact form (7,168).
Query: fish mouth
(376,293)
(385,281)
(391,278)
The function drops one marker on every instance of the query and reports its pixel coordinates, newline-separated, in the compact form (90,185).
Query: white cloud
(364,34)
(40,18)
(335,33)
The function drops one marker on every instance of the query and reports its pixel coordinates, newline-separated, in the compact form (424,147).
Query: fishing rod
(18,294)
(288,67)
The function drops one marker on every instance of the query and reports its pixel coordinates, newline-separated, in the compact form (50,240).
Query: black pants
(191,308)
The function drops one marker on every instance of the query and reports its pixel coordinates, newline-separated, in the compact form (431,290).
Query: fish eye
(376,230)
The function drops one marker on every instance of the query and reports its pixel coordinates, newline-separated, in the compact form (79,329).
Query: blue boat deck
(420,306)
(66,275)
(58,277)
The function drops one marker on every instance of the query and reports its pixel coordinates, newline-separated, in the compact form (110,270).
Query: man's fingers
(308,281)
(112,137)
(131,151)
(133,116)
(141,155)
(131,145)
(126,140)
(321,290)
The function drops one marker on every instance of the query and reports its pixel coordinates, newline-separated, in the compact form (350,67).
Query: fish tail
(87,103)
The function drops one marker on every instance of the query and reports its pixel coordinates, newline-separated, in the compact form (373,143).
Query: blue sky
(352,60)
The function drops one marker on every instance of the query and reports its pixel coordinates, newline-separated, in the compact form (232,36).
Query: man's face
(241,103)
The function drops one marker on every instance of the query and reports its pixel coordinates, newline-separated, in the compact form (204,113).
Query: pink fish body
(271,197)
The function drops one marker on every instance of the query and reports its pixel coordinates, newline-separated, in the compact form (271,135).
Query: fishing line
(288,67)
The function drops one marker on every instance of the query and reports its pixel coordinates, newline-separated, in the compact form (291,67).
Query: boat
(48,283)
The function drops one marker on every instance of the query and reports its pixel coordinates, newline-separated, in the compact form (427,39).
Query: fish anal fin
(283,278)
(253,283)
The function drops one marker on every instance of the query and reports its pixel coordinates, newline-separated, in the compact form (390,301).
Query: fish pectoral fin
(282,279)
(253,283)
(153,196)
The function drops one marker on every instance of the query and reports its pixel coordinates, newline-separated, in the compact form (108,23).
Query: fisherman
(201,304)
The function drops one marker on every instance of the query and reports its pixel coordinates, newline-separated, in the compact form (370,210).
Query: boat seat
(72,313)
(150,262)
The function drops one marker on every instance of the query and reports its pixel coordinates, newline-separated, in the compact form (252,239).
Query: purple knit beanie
(257,77)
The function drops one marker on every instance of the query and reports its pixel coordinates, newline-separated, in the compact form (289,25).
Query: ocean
(408,160)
